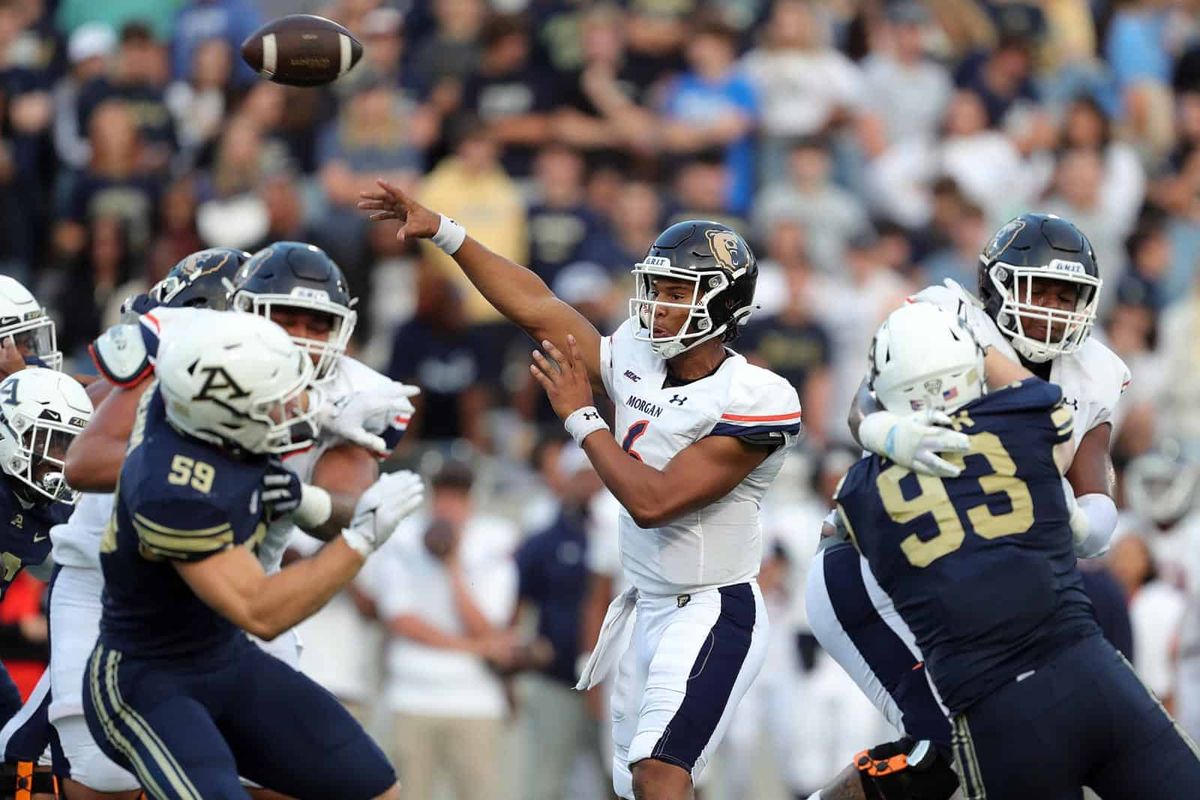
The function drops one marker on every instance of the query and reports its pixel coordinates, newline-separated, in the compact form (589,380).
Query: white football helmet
(24,319)
(924,357)
(238,381)
(41,411)
(1163,484)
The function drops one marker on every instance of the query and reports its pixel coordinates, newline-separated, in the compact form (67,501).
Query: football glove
(281,490)
(284,493)
(906,769)
(914,441)
(381,508)
(360,417)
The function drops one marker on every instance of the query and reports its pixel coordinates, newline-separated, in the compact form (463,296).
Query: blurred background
(866,148)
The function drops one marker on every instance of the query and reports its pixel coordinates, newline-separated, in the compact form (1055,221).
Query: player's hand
(381,509)
(389,202)
(360,417)
(11,359)
(566,380)
(281,491)
(916,441)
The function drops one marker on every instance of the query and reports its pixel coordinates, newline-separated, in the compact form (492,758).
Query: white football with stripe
(302,50)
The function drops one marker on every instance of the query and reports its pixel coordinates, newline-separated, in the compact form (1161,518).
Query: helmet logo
(1003,239)
(934,386)
(724,246)
(219,386)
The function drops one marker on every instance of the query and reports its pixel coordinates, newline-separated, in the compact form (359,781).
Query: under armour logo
(590,415)
(629,374)
(677,400)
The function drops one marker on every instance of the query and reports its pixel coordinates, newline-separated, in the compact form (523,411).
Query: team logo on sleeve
(725,250)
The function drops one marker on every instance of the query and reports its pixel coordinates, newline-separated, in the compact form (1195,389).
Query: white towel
(613,639)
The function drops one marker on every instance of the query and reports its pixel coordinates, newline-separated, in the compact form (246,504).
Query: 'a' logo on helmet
(724,246)
(219,386)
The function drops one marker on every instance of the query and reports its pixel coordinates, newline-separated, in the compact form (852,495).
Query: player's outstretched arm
(516,292)
(697,476)
(233,583)
(95,456)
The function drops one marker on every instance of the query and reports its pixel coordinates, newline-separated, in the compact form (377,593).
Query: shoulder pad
(120,355)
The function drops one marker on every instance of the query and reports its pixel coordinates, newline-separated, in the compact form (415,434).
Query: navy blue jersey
(178,499)
(24,531)
(981,567)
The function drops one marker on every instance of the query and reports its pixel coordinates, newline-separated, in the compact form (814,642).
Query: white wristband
(582,422)
(315,509)
(450,236)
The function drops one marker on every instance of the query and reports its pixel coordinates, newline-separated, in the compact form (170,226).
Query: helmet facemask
(1015,286)
(699,325)
(35,336)
(33,452)
(325,352)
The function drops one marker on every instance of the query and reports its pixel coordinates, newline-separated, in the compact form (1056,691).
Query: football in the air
(302,50)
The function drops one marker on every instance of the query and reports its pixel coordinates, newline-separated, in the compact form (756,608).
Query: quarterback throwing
(700,435)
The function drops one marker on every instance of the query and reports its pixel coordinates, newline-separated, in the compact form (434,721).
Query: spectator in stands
(139,78)
(552,571)
(702,191)
(786,338)
(378,134)
(604,90)
(1000,77)
(1156,610)
(89,52)
(177,236)
(436,351)
(115,185)
(907,92)
(447,590)
(959,259)
(200,101)
(637,218)
(472,187)
(1123,185)
(383,60)
(562,229)
(509,95)
(806,87)
(1138,53)
(829,214)
(1079,196)
(713,106)
(231,213)
(446,57)
(198,21)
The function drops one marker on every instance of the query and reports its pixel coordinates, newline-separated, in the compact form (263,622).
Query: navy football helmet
(201,280)
(723,273)
(299,276)
(1039,246)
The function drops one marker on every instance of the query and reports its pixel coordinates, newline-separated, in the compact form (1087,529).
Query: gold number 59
(198,474)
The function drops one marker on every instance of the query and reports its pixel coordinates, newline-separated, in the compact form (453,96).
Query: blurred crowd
(865,147)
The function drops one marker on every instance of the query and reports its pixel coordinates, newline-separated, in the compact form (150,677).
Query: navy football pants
(1083,719)
(189,728)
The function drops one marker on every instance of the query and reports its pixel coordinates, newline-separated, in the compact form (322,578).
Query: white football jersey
(1092,379)
(77,542)
(351,377)
(720,544)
